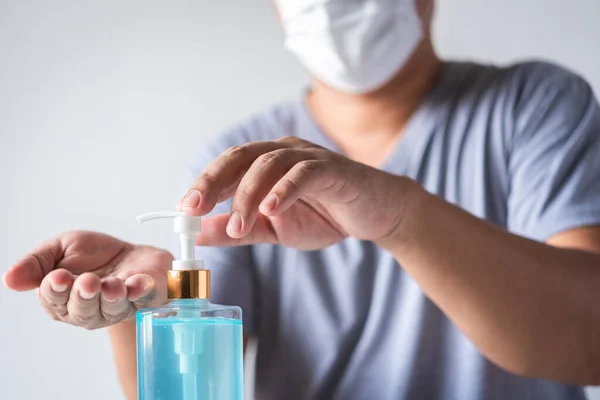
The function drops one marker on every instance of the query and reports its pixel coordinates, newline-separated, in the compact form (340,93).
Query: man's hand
(297,194)
(92,280)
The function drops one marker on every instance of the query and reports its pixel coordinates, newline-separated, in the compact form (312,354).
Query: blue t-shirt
(518,147)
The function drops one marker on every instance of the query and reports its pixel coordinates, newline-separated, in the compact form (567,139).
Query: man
(409,229)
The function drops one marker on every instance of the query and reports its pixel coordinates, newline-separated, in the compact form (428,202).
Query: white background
(103,102)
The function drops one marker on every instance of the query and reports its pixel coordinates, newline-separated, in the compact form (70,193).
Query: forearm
(122,337)
(529,307)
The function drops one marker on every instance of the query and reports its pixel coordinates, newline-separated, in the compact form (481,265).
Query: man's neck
(360,123)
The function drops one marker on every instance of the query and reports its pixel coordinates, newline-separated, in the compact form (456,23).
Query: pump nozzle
(187,226)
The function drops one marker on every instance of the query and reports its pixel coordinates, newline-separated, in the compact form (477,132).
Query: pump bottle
(190,349)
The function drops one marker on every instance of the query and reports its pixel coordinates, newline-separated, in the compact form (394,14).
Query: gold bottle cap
(188,284)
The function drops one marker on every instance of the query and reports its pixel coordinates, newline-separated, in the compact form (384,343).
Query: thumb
(27,273)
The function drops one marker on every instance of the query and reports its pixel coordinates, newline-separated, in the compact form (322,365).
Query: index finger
(221,177)
(27,273)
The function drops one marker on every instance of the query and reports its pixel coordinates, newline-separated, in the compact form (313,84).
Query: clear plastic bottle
(190,349)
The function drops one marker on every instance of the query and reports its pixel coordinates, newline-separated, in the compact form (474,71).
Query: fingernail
(147,281)
(269,202)
(86,295)
(192,199)
(111,300)
(58,288)
(235,222)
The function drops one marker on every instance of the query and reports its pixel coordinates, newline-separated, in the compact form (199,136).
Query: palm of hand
(106,256)
(92,280)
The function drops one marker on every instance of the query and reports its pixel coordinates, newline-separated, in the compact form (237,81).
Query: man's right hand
(92,280)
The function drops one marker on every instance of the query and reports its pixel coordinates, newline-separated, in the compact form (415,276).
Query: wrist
(413,199)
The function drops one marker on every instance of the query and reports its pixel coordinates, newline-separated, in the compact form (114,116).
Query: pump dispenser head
(188,279)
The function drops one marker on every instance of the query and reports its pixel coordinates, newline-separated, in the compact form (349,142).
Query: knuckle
(299,143)
(84,320)
(323,154)
(288,138)
(210,177)
(116,317)
(305,144)
(268,159)
(49,302)
(208,181)
(245,192)
(54,316)
(309,166)
(274,157)
(55,313)
(89,327)
(237,151)
(290,185)
(55,306)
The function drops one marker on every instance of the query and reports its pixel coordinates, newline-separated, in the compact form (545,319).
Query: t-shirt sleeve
(554,163)
(232,268)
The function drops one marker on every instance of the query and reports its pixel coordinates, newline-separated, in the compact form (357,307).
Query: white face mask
(354,46)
